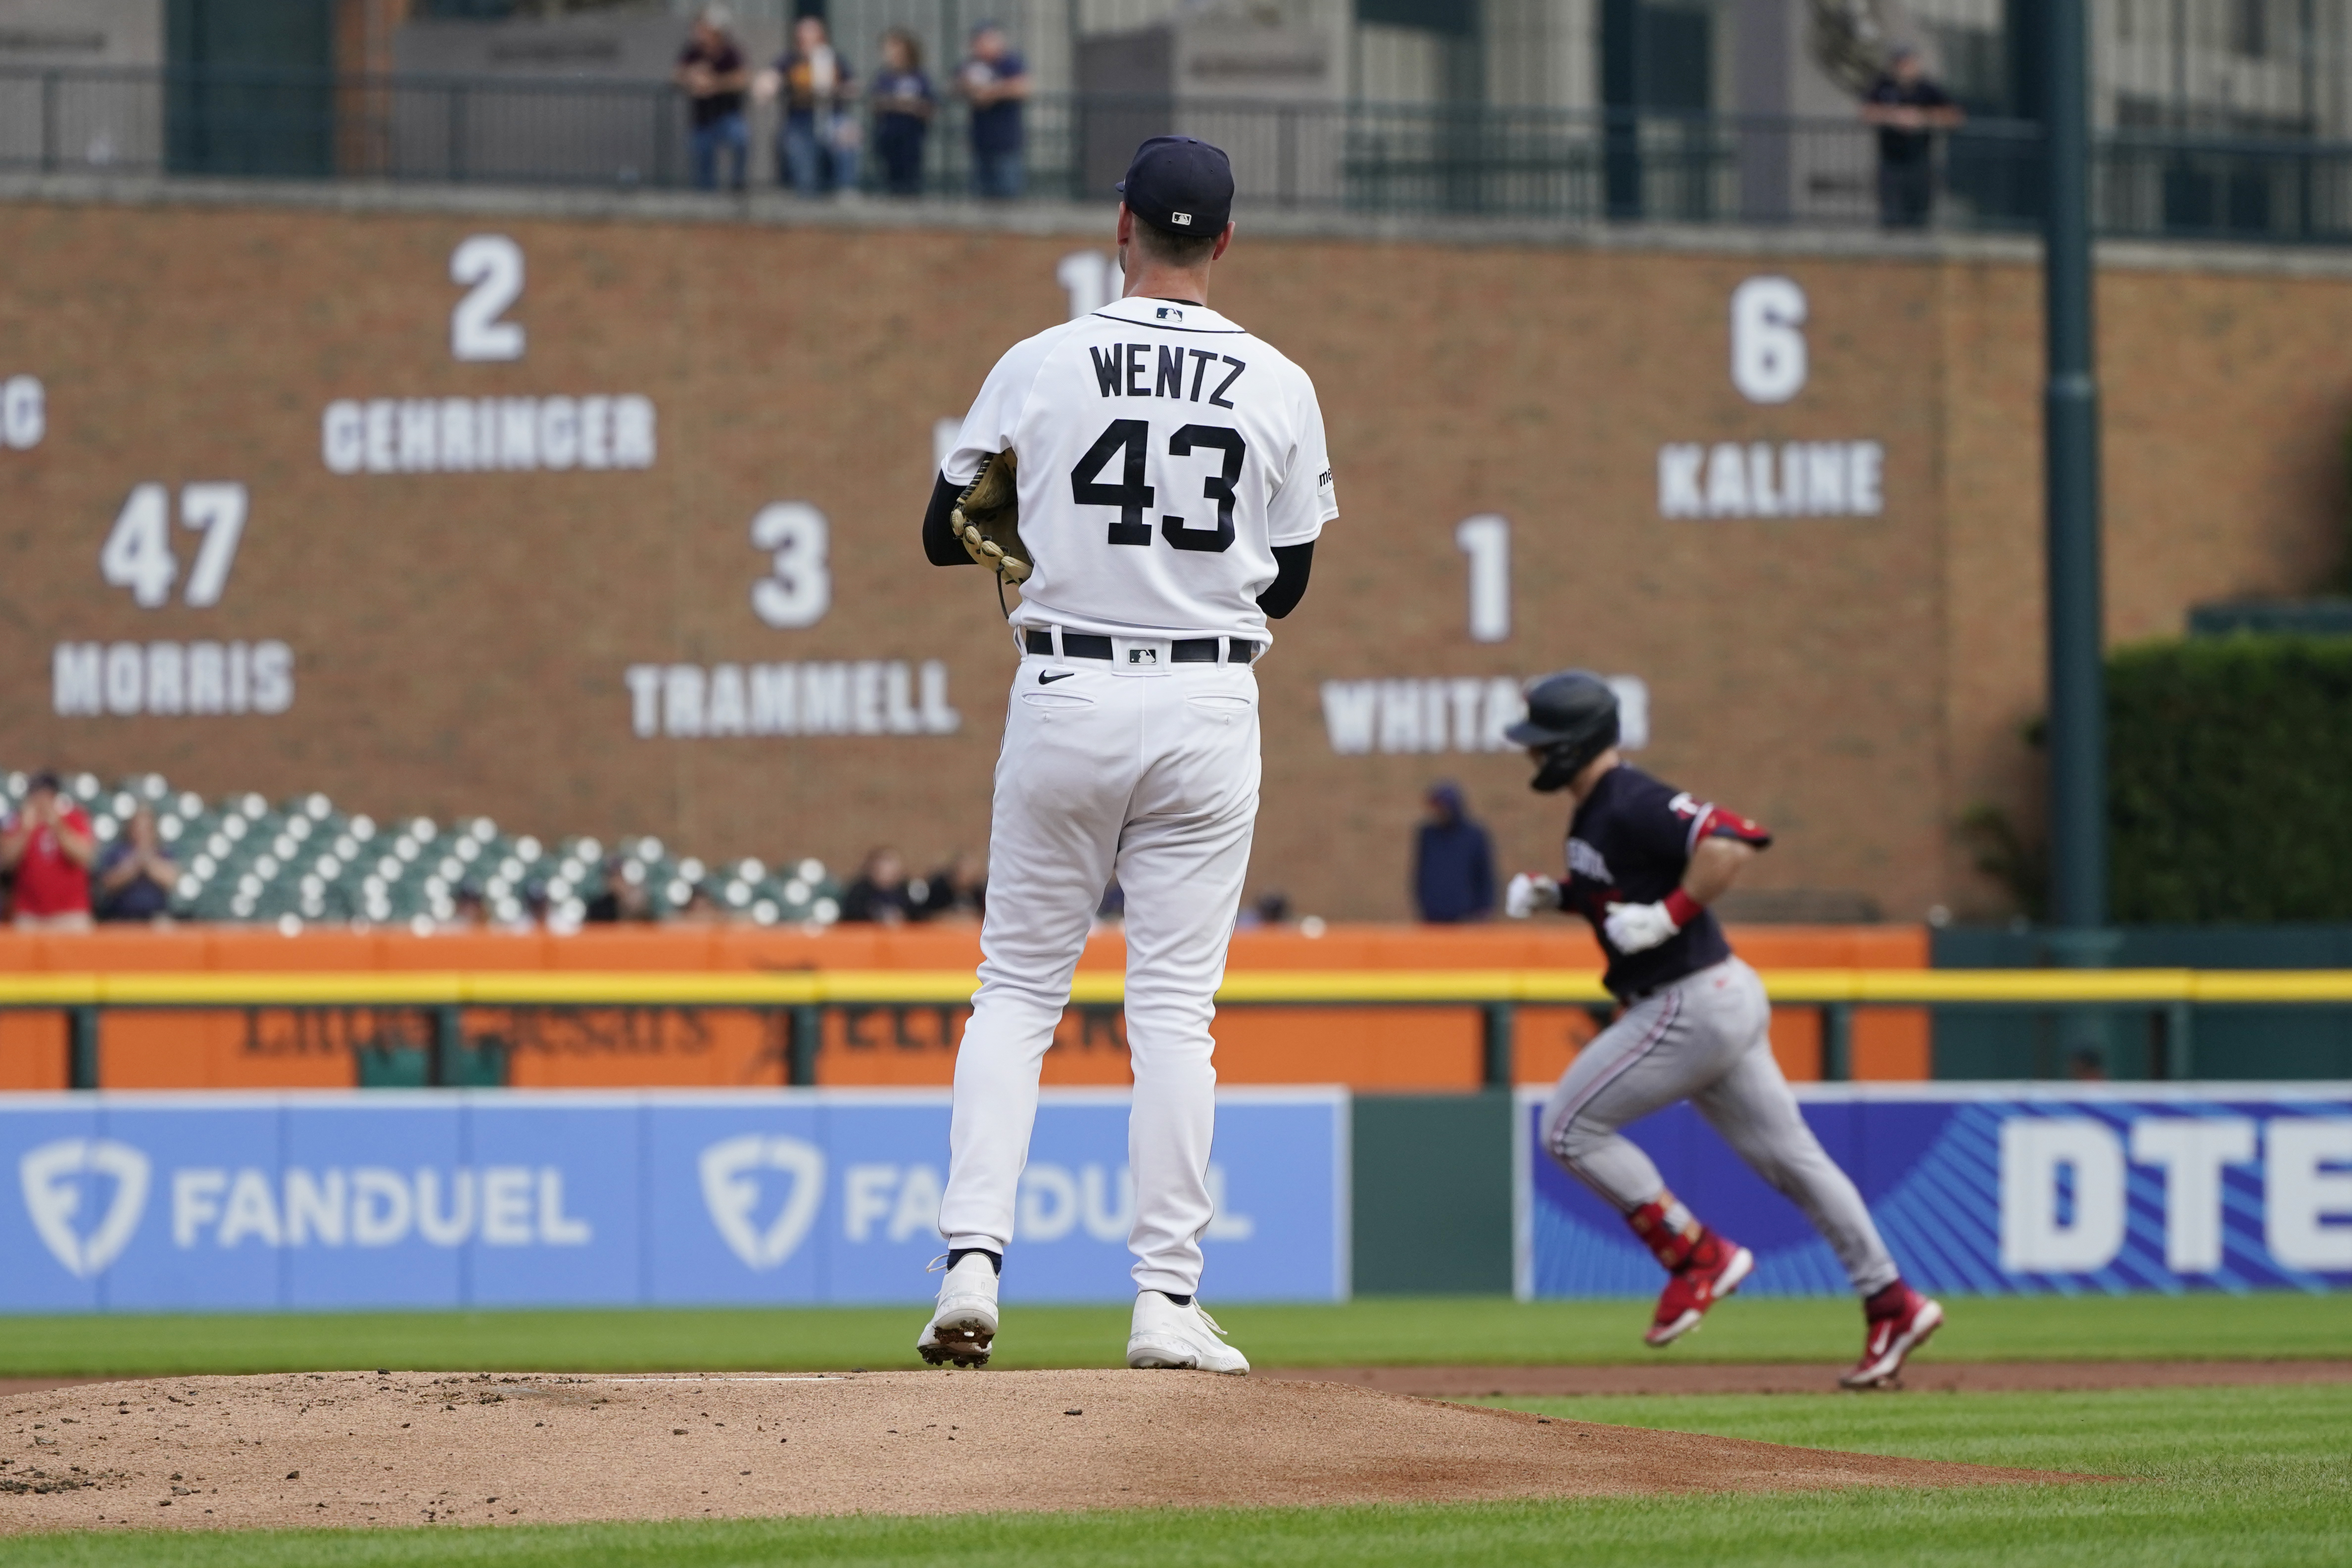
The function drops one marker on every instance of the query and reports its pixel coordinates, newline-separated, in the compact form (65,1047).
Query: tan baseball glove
(987,518)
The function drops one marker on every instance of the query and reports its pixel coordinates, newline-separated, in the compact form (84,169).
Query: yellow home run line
(1879,987)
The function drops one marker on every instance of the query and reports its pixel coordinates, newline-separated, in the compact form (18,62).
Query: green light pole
(2078,721)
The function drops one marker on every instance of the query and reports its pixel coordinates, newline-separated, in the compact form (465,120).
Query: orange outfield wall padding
(1395,1049)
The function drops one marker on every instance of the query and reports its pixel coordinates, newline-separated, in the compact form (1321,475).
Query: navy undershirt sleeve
(941,546)
(1291,565)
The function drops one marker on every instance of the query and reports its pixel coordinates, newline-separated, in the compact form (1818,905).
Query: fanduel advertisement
(159,1203)
(1993,1189)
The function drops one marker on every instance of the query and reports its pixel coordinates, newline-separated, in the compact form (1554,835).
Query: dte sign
(1999,1190)
(2065,1190)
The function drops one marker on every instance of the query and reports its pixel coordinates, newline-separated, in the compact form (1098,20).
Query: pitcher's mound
(355,1448)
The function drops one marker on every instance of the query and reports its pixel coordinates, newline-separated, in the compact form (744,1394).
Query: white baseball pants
(1705,1039)
(1155,777)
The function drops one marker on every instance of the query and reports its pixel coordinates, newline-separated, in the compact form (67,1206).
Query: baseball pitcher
(1643,862)
(1154,478)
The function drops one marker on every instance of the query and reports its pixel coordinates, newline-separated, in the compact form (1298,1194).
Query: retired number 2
(1133,498)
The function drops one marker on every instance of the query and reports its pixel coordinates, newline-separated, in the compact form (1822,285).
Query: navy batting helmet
(1571,719)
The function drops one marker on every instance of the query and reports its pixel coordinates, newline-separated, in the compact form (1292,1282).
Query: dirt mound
(355,1448)
(1795,1377)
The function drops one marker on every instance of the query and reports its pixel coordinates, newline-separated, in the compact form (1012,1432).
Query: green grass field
(1378,1331)
(2210,1476)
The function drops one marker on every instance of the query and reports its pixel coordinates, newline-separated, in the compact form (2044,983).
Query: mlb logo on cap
(1179,182)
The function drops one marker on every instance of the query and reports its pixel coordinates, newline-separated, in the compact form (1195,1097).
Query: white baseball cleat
(1167,1335)
(962,1329)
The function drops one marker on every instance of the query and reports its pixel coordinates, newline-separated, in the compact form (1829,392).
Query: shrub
(2230,779)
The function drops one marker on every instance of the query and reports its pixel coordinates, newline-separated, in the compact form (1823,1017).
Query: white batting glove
(1529,893)
(1638,927)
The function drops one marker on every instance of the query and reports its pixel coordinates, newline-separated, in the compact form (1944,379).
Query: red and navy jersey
(1630,843)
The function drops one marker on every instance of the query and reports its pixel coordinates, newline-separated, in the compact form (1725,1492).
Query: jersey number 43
(1133,498)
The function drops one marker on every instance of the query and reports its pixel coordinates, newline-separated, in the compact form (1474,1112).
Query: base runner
(1643,862)
(1166,472)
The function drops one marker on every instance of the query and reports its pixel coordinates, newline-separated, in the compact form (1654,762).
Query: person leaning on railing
(993,81)
(903,106)
(1908,107)
(712,73)
(816,146)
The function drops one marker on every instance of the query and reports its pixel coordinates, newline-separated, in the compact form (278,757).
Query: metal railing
(802,999)
(1373,159)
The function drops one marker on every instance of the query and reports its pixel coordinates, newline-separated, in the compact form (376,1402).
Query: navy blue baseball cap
(1181,184)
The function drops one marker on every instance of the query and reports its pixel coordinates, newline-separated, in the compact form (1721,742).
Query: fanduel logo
(374,1205)
(730,1172)
(54,1178)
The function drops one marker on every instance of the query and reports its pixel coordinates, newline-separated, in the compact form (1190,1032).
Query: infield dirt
(403,1448)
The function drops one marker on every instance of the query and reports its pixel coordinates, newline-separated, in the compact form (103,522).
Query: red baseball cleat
(1714,1269)
(1896,1329)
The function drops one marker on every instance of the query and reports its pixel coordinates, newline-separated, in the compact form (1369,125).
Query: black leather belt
(1183,651)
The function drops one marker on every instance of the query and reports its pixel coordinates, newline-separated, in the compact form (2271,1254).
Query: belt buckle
(1142,655)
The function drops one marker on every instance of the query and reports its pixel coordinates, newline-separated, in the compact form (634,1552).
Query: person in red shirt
(48,846)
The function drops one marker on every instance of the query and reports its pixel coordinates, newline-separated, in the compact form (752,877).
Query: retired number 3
(1133,498)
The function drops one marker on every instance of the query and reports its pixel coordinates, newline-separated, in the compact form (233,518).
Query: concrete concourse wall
(459,641)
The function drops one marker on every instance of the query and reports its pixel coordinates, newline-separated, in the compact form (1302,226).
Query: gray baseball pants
(1705,1039)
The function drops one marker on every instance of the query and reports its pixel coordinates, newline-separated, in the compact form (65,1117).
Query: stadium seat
(303,861)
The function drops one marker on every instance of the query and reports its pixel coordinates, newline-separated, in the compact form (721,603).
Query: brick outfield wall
(460,641)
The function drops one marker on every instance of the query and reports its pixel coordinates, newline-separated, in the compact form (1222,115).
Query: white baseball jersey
(1162,453)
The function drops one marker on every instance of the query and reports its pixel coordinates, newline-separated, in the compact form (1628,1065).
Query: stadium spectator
(471,910)
(1269,911)
(135,877)
(624,899)
(713,74)
(879,897)
(1453,864)
(49,844)
(700,909)
(903,105)
(994,79)
(958,891)
(541,913)
(816,147)
(1908,107)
